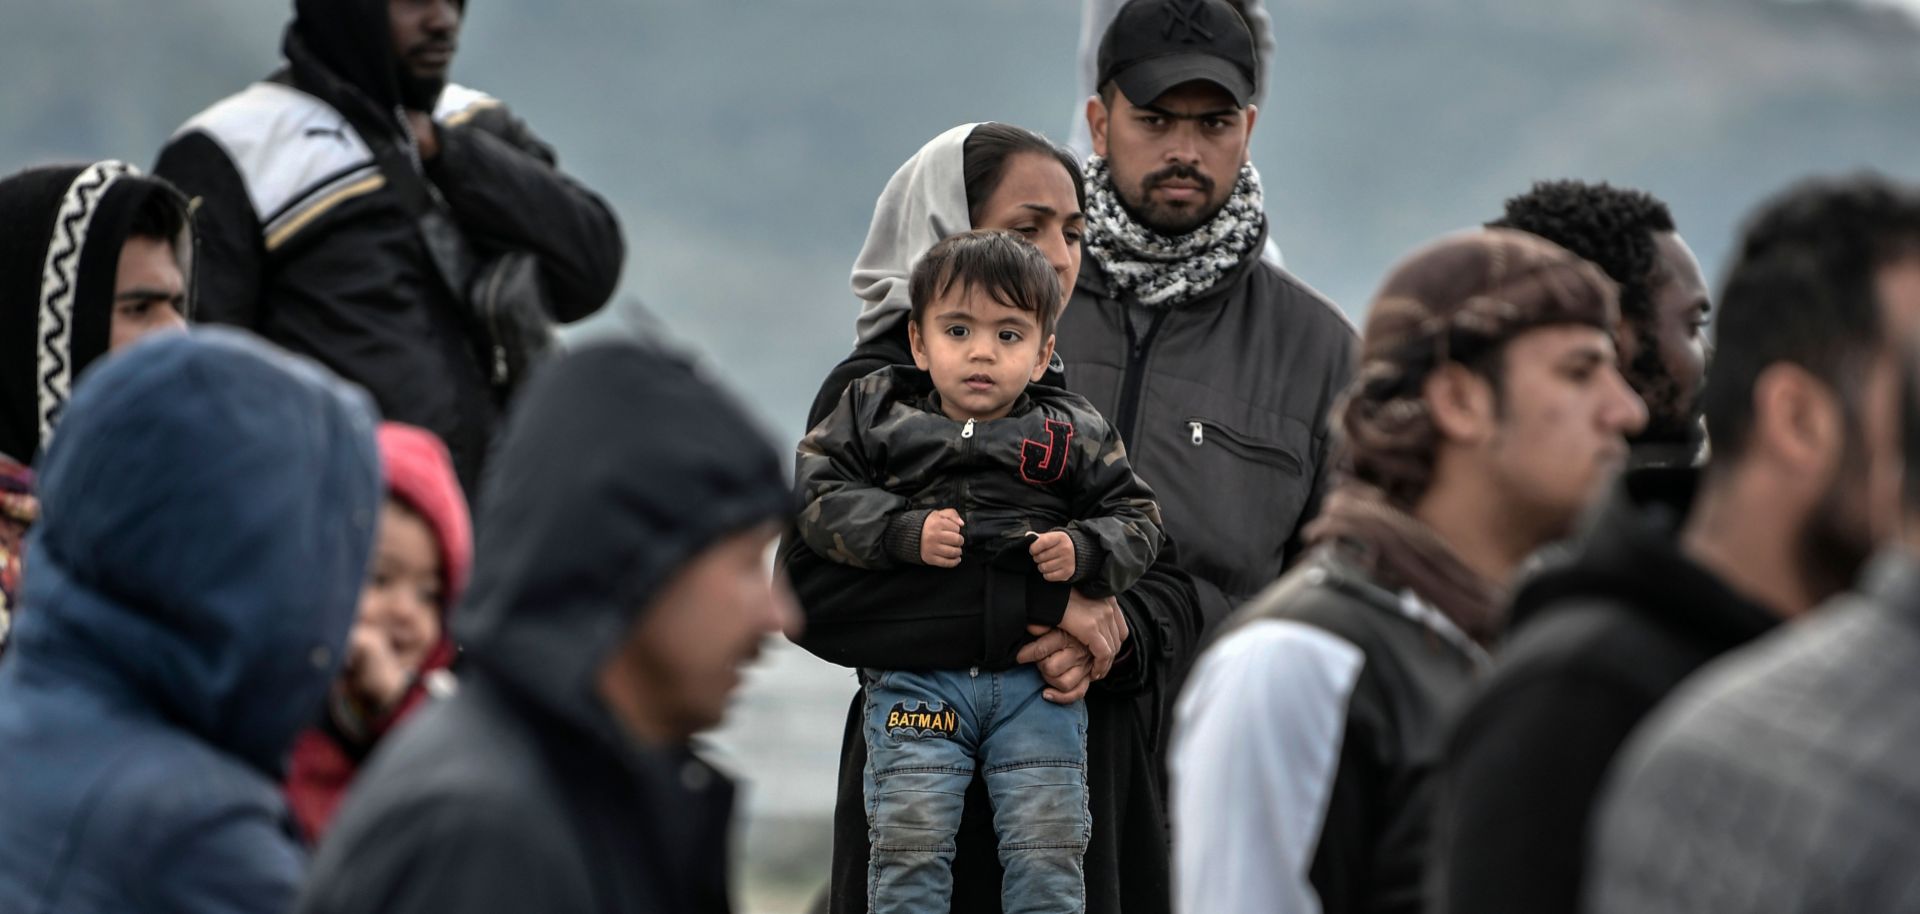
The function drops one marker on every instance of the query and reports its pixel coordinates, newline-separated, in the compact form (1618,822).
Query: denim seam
(887,772)
(1075,764)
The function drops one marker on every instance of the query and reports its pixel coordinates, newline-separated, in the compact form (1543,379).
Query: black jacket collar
(1631,554)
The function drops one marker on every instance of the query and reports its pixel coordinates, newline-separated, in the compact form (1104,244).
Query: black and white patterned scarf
(1163,271)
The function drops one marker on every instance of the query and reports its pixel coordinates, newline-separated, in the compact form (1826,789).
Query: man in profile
(621,586)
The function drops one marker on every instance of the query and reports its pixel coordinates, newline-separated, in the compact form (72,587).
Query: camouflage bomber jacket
(871,472)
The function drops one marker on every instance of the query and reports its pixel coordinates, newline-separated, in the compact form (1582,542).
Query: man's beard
(1166,220)
(1670,410)
(1837,539)
(420,93)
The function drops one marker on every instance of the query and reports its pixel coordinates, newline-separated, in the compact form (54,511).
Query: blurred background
(743,142)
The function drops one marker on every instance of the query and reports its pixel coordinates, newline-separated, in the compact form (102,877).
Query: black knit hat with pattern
(61,230)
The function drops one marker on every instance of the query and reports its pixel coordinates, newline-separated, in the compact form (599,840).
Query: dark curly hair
(1612,227)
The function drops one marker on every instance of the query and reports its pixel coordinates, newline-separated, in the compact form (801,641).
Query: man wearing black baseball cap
(1218,368)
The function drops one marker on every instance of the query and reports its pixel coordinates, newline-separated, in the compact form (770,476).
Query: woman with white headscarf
(992,176)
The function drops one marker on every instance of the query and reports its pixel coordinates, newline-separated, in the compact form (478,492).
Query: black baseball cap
(1154,45)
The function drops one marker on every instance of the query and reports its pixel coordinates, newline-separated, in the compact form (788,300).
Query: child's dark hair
(1006,265)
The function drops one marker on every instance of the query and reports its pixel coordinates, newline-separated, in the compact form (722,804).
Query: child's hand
(1053,552)
(941,540)
(373,674)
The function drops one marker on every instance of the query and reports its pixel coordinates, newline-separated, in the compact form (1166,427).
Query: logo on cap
(1189,16)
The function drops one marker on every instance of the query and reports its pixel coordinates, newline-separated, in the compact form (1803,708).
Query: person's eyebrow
(1046,210)
(955,315)
(1586,355)
(1203,115)
(147,293)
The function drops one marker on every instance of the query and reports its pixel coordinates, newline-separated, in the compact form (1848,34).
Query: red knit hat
(420,474)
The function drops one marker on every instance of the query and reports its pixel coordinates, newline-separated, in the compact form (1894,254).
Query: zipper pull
(1199,432)
(968,431)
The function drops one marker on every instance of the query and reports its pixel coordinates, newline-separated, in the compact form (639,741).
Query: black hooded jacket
(308,242)
(522,793)
(937,618)
(1597,643)
(72,220)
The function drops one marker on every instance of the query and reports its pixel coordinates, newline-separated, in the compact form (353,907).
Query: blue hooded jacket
(208,508)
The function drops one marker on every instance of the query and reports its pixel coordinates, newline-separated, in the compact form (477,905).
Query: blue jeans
(926,732)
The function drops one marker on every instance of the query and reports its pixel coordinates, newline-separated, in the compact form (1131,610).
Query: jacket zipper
(491,300)
(1256,450)
(1129,412)
(959,479)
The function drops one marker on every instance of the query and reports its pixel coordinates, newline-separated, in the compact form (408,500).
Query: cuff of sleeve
(902,537)
(1133,665)
(1088,558)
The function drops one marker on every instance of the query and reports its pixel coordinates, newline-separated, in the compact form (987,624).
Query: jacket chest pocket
(1231,497)
(1204,432)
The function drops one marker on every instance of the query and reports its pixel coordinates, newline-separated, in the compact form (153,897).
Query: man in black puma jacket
(306,238)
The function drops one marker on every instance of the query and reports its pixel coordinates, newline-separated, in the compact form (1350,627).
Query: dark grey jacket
(1223,403)
(1781,778)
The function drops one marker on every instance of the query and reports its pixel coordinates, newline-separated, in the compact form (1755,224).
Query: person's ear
(1797,421)
(918,343)
(1461,404)
(1097,122)
(1046,358)
(1253,114)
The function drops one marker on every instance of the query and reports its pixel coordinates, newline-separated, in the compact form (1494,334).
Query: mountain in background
(743,141)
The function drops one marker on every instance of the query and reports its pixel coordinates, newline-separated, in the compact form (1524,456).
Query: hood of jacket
(341,51)
(352,41)
(1630,554)
(61,231)
(621,461)
(207,513)
(924,202)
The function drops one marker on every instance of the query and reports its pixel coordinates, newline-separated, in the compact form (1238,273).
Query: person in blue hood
(207,514)
(620,585)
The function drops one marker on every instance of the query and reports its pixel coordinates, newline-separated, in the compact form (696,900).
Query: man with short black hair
(1780,780)
(119,246)
(1217,368)
(333,197)
(1487,414)
(1630,235)
(1683,565)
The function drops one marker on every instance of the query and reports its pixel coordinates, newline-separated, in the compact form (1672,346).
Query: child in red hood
(399,650)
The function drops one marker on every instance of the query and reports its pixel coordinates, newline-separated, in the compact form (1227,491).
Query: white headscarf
(925,201)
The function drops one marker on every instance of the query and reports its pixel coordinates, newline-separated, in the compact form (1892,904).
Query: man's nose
(1184,144)
(169,318)
(783,609)
(1626,412)
(444,16)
